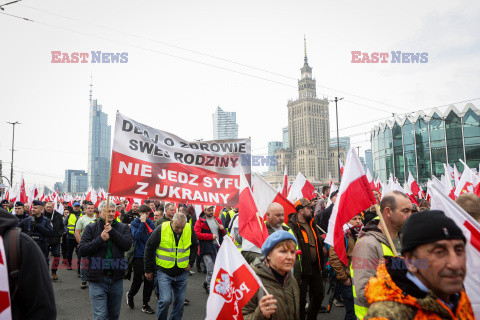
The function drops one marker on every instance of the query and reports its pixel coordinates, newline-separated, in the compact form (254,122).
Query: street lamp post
(13,149)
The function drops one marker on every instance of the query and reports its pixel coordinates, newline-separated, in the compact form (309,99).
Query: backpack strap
(13,254)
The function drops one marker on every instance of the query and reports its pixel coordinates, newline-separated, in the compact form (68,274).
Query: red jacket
(205,236)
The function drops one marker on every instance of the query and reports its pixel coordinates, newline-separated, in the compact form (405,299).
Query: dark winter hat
(38,203)
(19,204)
(426,227)
(274,239)
(4,201)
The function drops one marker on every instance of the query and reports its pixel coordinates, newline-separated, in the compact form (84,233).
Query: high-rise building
(76,181)
(308,132)
(225,125)
(272,147)
(422,143)
(343,141)
(99,146)
(368,159)
(285,139)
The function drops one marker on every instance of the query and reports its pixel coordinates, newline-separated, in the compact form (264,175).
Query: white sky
(179,96)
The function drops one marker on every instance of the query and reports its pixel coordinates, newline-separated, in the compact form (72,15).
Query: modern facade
(285,139)
(272,147)
(99,147)
(58,186)
(422,143)
(343,141)
(76,181)
(308,132)
(369,160)
(225,125)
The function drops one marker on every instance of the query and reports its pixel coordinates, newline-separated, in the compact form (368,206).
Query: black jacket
(151,248)
(308,267)
(22,217)
(130,216)
(34,298)
(92,246)
(39,232)
(58,227)
(323,218)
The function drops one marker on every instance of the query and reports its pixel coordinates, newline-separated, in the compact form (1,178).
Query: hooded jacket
(367,252)
(34,298)
(306,260)
(393,296)
(287,295)
(140,235)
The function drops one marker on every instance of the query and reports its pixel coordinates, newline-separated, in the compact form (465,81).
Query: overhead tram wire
(206,55)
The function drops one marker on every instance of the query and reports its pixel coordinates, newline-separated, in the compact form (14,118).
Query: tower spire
(91,86)
(305,46)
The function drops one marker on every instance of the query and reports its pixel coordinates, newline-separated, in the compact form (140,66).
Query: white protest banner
(148,163)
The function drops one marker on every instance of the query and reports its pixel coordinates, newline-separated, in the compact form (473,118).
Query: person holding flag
(428,283)
(373,244)
(141,228)
(310,241)
(170,252)
(279,298)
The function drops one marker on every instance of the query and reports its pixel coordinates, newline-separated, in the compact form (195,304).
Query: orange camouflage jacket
(392,296)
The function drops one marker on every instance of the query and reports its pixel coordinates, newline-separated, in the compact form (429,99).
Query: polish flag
(471,231)
(130,204)
(22,193)
(333,188)
(285,183)
(264,195)
(250,224)
(233,284)
(467,183)
(354,196)
(5,306)
(413,185)
(342,168)
(301,188)
(449,171)
(447,186)
(330,180)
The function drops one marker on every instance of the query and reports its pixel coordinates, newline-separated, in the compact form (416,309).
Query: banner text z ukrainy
(148,163)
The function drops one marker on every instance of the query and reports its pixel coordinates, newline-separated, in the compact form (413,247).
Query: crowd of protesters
(159,243)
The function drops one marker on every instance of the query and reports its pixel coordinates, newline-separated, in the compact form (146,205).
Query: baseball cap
(302,203)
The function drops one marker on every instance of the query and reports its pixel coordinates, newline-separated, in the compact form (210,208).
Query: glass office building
(99,147)
(422,143)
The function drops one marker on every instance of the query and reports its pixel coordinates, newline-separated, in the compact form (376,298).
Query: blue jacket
(140,235)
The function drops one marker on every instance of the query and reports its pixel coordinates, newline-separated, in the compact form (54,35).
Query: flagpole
(111,160)
(385,231)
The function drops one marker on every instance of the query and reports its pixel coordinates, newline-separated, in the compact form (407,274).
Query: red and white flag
(413,185)
(22,193)
(5,307)
(342,167)
(354,196)
(250,224)
(301,188)
(467,183)
(233,284)
(285,184)
(456,175)
(264,195)
(471,231)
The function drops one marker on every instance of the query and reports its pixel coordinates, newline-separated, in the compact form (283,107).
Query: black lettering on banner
(204,146)
(127,126)
(169,142)
(178,156)
(189,158)
(183,144)
(193,146)
(215,147)
(133,145)
(209,161)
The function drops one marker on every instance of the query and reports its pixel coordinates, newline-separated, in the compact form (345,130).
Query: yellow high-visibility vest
(168,253)
(71,222)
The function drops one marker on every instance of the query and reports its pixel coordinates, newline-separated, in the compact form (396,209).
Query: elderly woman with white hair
(282,299)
